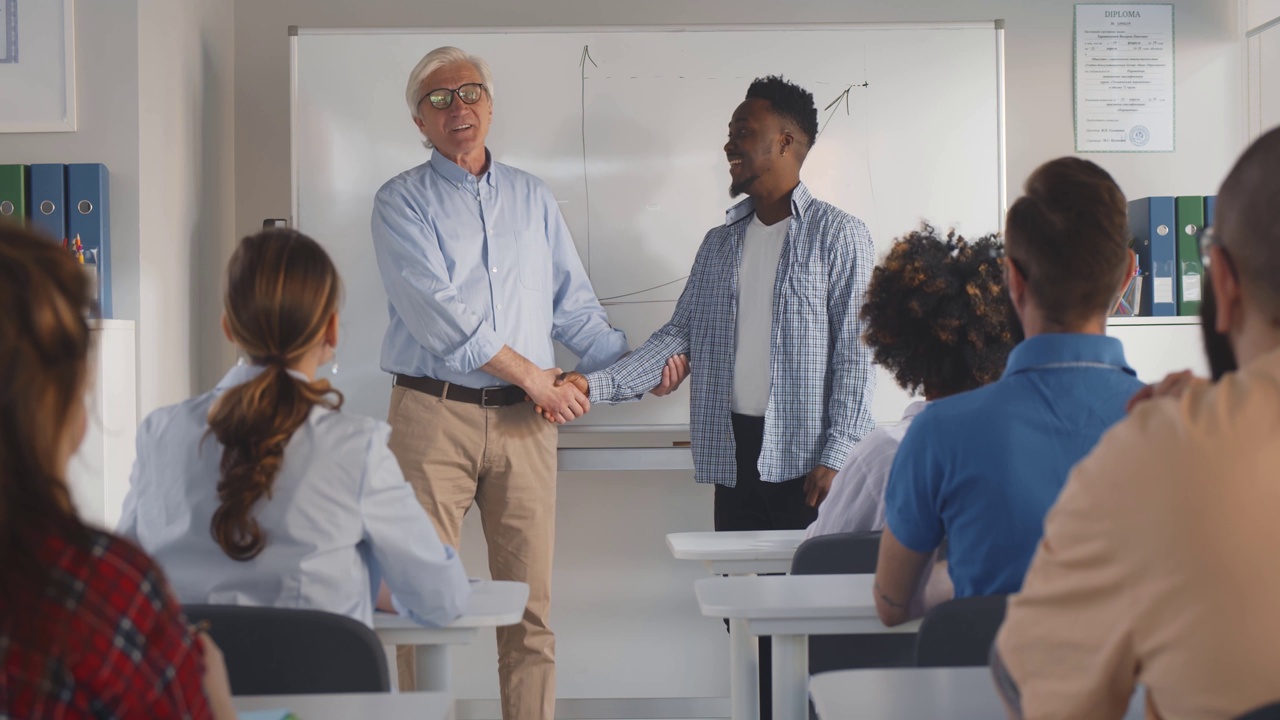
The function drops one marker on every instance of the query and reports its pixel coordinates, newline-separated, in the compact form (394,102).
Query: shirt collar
(241,374)
(453,173)
(800,202)
(1060,348)
(914,409)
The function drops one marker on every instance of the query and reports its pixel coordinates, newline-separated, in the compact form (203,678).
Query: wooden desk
(790,608)
(415,705)
(891,694)
(492,604)
(740,553)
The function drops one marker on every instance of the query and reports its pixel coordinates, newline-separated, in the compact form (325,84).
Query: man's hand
(558,401)
(1173,385)
(673,373)
(817,484)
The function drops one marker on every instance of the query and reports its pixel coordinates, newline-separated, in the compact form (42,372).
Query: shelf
(1126,321)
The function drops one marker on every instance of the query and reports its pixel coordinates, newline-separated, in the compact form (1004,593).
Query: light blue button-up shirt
(472,263)
(340,517)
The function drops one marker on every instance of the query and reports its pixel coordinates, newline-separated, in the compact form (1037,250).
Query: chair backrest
(282,651)
(1266,712)
(959,633)
(839,554)
(849,554)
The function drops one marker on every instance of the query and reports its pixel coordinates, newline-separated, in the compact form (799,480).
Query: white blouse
(856,500)
(340,517)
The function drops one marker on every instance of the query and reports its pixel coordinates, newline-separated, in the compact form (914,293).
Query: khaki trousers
(503,459)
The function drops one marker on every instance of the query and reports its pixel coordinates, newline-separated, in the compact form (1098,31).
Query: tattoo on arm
(889,600)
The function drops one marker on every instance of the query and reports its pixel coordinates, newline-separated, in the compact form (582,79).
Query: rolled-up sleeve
(415,276)
(426,577)
(580,322)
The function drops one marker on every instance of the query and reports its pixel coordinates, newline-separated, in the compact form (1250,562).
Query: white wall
(186,181)
(1262,12)
(106,130)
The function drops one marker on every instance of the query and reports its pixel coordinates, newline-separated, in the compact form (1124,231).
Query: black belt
(484,397)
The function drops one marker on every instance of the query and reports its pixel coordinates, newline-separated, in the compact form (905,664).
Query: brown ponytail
(282,289)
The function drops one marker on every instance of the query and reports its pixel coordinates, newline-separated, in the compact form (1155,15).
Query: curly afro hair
(790,101)
(938,315)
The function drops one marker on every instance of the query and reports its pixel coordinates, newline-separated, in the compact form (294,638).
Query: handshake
(560,397)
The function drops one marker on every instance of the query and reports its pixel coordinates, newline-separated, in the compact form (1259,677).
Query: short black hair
(790,101)
(938,313)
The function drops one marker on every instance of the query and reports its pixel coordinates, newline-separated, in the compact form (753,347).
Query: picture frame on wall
(37,66)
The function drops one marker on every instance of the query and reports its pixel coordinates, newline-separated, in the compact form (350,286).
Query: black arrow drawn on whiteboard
(834,105)
(586,186)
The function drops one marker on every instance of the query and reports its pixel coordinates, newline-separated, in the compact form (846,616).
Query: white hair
(434,60)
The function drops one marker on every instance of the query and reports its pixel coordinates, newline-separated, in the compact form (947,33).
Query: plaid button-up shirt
(821,382)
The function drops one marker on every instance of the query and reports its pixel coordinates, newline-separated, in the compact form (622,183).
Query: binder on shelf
(47,208)
(13,192)
(89,218)
(1189,211)
(1210,204)
(1152,223)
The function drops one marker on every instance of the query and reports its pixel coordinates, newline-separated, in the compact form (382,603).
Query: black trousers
(757,505)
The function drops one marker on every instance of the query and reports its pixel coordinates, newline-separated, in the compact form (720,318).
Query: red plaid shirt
(128,653)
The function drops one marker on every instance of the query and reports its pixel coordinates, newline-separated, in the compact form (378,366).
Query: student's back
(981,469)
(262,492)
(338,504)
(1001,454)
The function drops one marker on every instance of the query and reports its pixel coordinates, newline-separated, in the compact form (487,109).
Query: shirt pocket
(806,285)
(535,260)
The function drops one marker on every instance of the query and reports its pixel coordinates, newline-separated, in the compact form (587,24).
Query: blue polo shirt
(982,468)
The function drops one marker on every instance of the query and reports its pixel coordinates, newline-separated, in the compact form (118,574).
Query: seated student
(261,492)
(937,318)
(982,468)
(88,627)
(1157,565)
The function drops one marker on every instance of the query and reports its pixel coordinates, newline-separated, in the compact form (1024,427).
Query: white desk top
(956,693)
(747,545)
(415,705)
(796,604)
(492,604)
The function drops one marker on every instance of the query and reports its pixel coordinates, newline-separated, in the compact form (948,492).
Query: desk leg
(790,677)
(744,673)
(392,669)
(433,668)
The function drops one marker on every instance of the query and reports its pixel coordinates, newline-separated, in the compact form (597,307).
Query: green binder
(1189,214)
(13,193)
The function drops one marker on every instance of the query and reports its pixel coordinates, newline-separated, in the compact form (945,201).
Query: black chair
(281,651)
(1267,712)
(849,554)
(959,633)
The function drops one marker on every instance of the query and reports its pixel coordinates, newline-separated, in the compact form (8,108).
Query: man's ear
(1226,290)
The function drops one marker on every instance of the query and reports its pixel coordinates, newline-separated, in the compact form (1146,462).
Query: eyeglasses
(1207,238)
(442,98)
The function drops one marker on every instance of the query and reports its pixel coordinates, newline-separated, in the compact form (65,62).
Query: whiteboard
(627,127)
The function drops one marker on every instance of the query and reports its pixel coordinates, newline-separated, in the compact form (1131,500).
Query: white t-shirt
(856,500)
(761,249)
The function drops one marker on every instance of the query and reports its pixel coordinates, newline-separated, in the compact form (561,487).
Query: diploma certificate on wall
(1124,78)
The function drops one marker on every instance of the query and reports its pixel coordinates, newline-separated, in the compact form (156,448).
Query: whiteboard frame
(995,25)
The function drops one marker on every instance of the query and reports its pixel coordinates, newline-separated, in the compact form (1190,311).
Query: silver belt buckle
(484,397)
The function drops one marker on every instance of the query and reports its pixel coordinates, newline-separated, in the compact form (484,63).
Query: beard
(740,187)
(1217,347)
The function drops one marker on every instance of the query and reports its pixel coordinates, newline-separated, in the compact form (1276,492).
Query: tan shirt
(1160,564)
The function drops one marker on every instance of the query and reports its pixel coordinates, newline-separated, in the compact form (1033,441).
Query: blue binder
(1210,204)
(1152,224)
(89,217)
(47,193)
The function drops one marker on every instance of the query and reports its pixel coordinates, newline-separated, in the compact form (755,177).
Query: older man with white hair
(481,275)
